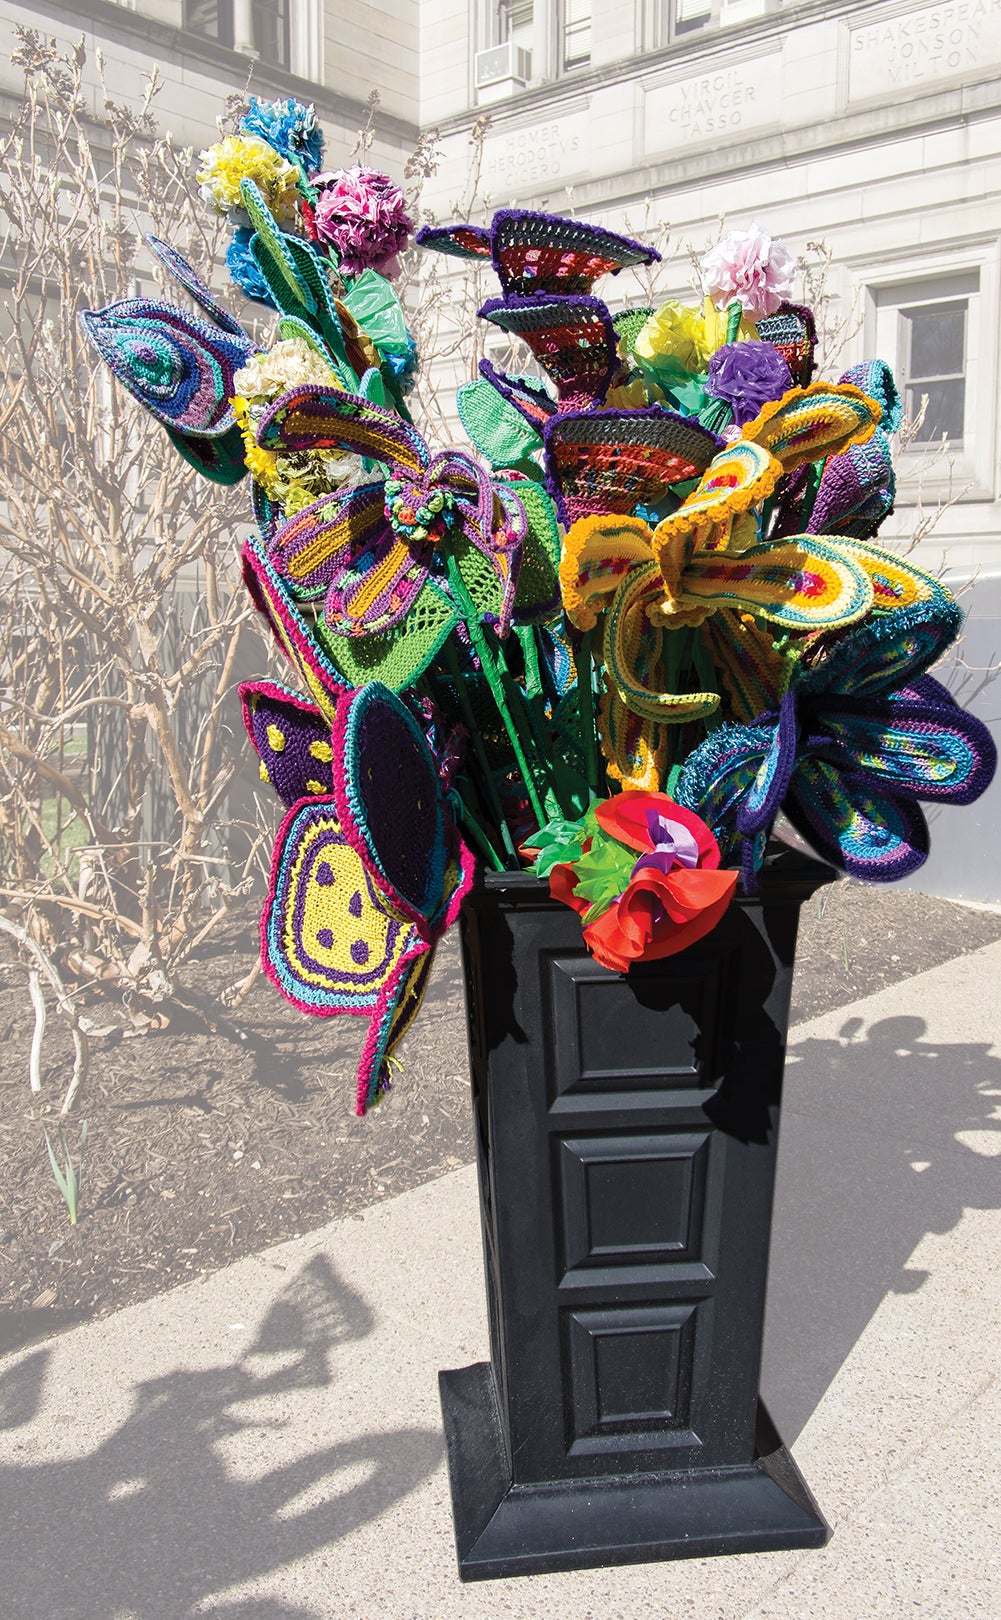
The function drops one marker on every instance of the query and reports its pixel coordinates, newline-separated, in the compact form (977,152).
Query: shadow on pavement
(153,1522)
(886,1136)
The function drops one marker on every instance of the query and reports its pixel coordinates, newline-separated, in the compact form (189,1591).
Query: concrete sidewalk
(266,1444)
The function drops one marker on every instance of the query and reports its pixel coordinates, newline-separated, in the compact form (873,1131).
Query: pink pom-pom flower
(363,215)
(752,268)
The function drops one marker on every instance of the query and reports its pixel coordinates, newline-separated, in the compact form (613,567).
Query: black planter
(627,1127)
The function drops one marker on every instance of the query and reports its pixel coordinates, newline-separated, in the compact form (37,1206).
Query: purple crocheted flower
(362,214)
(747,376)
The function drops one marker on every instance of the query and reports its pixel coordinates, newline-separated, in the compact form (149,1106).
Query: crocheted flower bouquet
(650,615)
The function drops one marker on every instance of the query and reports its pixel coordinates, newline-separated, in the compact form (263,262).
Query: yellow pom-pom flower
(246,157)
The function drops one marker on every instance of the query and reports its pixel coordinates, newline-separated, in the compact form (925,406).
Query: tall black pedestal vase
(627,1127)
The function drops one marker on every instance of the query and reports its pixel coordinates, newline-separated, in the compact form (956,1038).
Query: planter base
(503,1529)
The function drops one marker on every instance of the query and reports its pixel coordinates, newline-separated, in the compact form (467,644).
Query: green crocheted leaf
(219,458)
(293,326)
(376,308)
(479,577)
(537,598)
(400,655)
(629,323)
(497,430)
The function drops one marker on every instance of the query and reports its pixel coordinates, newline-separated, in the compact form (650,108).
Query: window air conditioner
(503,62)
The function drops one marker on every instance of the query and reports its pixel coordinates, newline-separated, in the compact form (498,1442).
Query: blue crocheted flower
(243,268)
(290,127)
(853,746)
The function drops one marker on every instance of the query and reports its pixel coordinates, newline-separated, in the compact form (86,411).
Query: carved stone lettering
(712,106)
(551,151)
(922,45)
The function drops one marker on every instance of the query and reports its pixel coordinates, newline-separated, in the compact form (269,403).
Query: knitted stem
(481,754)
(523,712)
(585,708)
(478,835)
(472,622)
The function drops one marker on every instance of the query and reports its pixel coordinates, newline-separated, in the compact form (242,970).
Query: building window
(687,15)
(933,348)
(515,19)
(213,19)
(254,27)
(269,21)
(576,34)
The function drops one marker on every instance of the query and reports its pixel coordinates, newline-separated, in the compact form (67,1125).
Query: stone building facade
(872,128)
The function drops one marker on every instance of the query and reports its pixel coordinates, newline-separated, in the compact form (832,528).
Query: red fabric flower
(676,893)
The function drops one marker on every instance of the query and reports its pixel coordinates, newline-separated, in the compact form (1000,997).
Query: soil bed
(206,1145)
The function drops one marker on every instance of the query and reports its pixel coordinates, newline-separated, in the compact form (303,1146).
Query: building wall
(874,128)
(342,52)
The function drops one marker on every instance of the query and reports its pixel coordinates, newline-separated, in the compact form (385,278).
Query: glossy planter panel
(627,1130)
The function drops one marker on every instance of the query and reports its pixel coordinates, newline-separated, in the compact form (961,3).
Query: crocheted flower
(246,157)
(292,479)
(747,376)
(641,910)
(752,268)
(290,127)
(854,744)
(363,215)
(244,269)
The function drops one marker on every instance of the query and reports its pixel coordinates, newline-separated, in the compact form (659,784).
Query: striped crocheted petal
(615,461)
(291,738)
(807,424)
(632,650)
(918,746)
(312,417)
(875,378)
(760,804)
(535,252)
(191,281)
(373,586)
(311,549)
(635,749)
(294,636)
(888,651)
(753,675)
(178,366)
(398,1006)
(330,941)
(390,799)
(741,476)
(598,552)
(896,582)
(719,774)
(572,338)
(801,584)
(792,330)
(456,241)
(527,395)
(874,836)
(856,490)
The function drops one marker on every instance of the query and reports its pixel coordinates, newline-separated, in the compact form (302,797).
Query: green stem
(493,799)
(734,316)
(478,835)
(472,621)
(585,708)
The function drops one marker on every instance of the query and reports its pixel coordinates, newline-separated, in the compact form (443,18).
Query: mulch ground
(207,1143)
